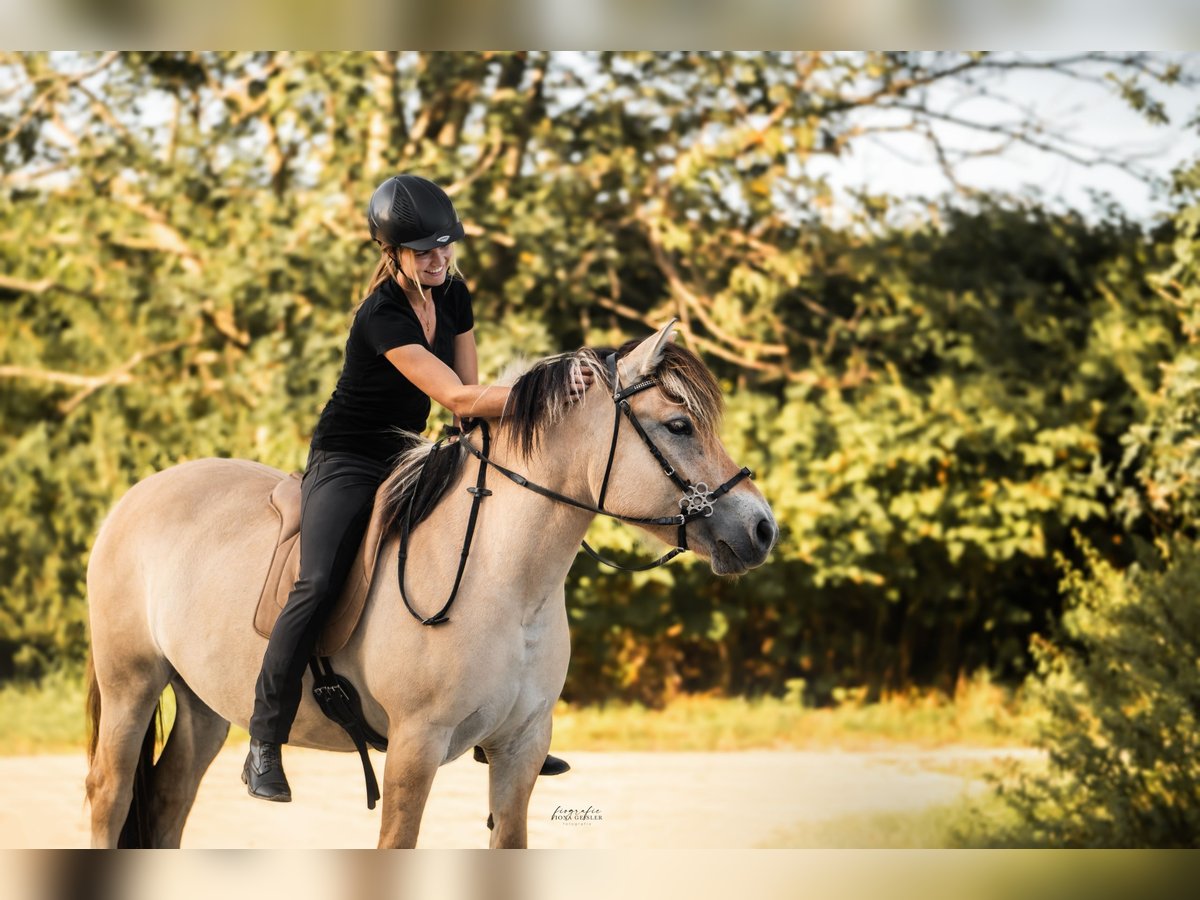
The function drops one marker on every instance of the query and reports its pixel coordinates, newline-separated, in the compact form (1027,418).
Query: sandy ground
(634,800)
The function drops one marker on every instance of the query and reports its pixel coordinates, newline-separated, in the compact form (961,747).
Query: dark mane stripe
(540,396)
(429,483)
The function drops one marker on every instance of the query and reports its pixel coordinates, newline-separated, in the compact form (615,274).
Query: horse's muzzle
(741,540)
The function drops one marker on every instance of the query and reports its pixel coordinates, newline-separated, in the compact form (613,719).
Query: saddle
(285,566)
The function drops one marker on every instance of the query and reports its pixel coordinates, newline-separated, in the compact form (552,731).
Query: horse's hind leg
(197,735)
(130,699)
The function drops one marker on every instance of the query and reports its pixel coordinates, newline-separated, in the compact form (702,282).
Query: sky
(1092,114)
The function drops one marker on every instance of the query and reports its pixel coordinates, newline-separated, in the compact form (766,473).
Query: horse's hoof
(555,766)
(491,822)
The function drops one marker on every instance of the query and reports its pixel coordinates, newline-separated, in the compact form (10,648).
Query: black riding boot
(263,772)
(552,766)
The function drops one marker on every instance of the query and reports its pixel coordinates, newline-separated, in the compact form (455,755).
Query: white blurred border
(598,875)
(596,24)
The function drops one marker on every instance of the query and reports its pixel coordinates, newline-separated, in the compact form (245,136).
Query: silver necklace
(428,322)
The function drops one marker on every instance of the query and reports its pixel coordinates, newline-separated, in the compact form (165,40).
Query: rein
(479,491)
(697,501)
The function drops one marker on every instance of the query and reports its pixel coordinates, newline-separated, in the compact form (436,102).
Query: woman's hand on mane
(581,380)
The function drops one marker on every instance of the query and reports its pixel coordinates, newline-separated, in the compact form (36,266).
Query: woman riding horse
(412,339)
(178,568)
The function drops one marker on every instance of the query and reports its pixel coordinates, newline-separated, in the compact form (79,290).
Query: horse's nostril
(765,532)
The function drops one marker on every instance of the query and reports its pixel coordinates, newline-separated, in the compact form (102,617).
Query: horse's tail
(139,825)
(92,709)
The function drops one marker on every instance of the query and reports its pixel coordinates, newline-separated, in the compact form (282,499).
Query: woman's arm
(443,384)
(466,361)
(466,358)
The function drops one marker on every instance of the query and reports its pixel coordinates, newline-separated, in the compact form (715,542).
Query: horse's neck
(524,542)
(538,537)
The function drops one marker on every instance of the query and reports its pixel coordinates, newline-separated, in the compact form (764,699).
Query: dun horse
(177,566)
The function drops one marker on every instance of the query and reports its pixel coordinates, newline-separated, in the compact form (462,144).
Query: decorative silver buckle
(697,500)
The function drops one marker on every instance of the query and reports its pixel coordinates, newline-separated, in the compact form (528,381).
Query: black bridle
(696,503)
(697,500)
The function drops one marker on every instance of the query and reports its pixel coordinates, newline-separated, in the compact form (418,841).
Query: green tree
(926,470)
(1119,680)
(1121,692)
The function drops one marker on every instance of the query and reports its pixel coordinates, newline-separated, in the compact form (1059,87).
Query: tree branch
(24,286)
(697,305)
(89,384)
(117,376)
(57,82)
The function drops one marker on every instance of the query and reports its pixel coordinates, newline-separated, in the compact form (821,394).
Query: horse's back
(195,482)
(168,505)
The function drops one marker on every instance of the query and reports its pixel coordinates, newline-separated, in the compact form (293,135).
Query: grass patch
(43,718)
(926,829)
(48,718)
(968,823)
(980,714)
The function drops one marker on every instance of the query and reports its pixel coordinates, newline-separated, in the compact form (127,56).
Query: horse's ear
(645,357)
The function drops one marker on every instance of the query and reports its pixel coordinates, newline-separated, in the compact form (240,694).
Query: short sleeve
(464,315)
(386,327)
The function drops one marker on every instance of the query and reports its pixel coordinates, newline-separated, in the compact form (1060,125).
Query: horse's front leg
(513,769)
(412,761)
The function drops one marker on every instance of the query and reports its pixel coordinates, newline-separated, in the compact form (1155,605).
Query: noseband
(697,501)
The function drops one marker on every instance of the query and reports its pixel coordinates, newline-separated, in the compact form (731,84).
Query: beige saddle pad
(285,566)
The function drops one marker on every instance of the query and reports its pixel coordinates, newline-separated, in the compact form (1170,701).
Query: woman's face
(431,266)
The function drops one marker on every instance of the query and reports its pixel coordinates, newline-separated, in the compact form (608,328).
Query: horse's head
(645,447)
(679,415)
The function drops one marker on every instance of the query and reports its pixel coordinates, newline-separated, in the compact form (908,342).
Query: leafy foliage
(1160,465)
(1120,682)
(925,475)
(1122,690)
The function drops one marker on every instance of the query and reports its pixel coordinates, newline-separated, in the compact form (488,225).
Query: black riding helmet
(411,211)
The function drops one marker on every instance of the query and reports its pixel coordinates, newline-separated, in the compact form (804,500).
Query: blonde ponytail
(384,269)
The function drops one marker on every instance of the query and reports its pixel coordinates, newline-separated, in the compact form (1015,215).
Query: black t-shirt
(372,399)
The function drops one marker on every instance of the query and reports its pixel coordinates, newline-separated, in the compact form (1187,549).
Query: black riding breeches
(336,499)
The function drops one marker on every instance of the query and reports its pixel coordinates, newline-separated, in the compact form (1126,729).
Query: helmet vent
(404,209)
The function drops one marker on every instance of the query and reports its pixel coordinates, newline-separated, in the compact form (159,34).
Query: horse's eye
(679,426)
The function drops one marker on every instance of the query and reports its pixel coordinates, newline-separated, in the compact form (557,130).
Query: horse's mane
(539,398)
